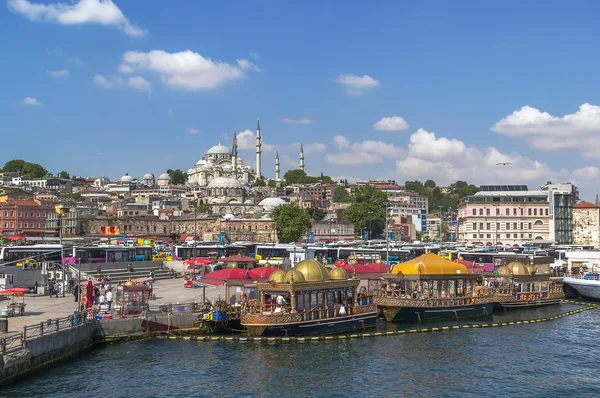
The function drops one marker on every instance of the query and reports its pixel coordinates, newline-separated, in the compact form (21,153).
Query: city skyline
(476,92)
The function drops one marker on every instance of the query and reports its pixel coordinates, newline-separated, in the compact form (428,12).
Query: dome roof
(218,149)
(148,176)
(277,276)
(517,268)
(201,162)
(338,274)
(273,202)
(224,182)
(312,270)
(429,264)
(129,283)
(190,171)
(530,269)
(294,276)
(164,176)
(503,271)
(126,178)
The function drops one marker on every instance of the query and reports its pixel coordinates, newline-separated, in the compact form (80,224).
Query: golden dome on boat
(277,276)
(338,274)
(503,271)
(129,283)
(517,268)
(312,270)
(294,276)
(429,264)
(530,269)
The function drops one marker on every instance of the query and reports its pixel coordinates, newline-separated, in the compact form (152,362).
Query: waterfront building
(23,217)
(561,198)
(586,224)
(403,203)
(504,215)
(329,231)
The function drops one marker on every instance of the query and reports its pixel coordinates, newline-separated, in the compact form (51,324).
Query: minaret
(301,157)
(277,166)
(258,151)
(597,199)
(234,154)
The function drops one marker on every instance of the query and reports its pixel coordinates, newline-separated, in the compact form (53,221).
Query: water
(548,359)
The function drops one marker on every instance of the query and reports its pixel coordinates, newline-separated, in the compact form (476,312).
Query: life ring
(523,297)
(541,295)
(362,290)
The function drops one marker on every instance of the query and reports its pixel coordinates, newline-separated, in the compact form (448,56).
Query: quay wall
(44,350)
(128,327)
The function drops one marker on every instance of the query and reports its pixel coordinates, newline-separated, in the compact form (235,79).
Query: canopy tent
(198,261)
(220,277)
(261,272)
(382,268)
(429,264)
(238,259)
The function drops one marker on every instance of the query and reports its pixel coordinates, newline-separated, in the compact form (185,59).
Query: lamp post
(195,226)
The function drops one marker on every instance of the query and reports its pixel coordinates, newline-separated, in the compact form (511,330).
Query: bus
(107,254)
(273,254)
(12,254)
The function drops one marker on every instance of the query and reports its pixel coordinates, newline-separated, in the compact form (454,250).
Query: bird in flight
(502,164)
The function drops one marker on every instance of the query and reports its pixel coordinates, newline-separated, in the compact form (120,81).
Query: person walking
(101,302)
(35,287)
(109,299)
(76,292)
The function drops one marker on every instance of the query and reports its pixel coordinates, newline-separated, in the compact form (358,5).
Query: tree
(415,186)
(259,182)
(177,176)
(291,222)
(295,177)
(429,184)
(63,174)
(340,195)
(71,197)
(258,214)
(272,184)
(316,214)
(203,208)
(367,210)
(13,165)
(442,231)
(26,169)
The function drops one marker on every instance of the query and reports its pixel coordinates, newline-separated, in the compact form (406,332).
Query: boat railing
(306,315)
(588,277)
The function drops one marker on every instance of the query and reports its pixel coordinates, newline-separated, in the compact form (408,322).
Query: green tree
(33,170)
(258,214)
(367,210)
(429,184)
(13,165)
(272,184)
(442,231)
(64,174)
(259,182)
(415,186)
(340,195)
(177,176)
(291,222)
(295,177)
(316,214)
(203,208)
(71,197)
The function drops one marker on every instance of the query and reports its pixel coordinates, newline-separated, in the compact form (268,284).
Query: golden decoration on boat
(503,271)
(277,276)
(233,264)
(129,283)
(530,269)
(429,264)
(312,270)
(338,274)
(294,276)
(517,268)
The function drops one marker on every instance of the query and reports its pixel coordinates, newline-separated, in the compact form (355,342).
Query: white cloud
(140,84)
(103,12)
(361,153)
(394,123)
(244,64)
(313,147)
(579,131)
(108,82)
(76,60)
(254,55)
(186,69)
(246,140)
(296,121)
(59,73)
(31,101)
(193,131)
(448,160)
(355,85)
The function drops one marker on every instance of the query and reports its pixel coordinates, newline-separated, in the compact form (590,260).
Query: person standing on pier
(109,299)
(76,290)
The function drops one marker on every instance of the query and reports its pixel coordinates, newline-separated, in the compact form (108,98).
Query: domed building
(269,204)
(149,179)
(164,179)
(220,161)
(126,179)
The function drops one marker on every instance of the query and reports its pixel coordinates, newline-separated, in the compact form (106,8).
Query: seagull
(502,164)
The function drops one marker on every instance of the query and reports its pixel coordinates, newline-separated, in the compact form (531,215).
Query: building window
(497,211)
(488,226)
(535,212)
(481,212)
(508,226)
(38,225)
(528,211)
(474,212)
(481,236)
(515,211)
(26,225)
(530,236)
(20,225)
(539,222)
(515,226)
(38,213)
(521,227)
(12,225)
(529,226)
(507,236)
(474,236)
(12,213)
(546,212)
(5,213)
(489,236)
(521,210)
(507,211)
(515,236)
(497,226)
(474,226)
(487,212)
(5,224)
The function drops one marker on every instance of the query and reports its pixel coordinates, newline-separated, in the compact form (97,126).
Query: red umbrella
(198,261)
(261,272)
(382,268)
(360,269)
(18,290)
(89,295)
(228,273)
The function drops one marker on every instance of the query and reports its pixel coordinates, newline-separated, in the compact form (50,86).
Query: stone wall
(586,226)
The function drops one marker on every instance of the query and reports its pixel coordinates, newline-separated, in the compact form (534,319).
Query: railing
(313,314)
(12,343)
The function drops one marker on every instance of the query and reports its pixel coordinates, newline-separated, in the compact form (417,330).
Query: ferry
(308,300)
(430,287)
(587,285)
(519,286)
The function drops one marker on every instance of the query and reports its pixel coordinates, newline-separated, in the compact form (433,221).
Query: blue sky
(102,88)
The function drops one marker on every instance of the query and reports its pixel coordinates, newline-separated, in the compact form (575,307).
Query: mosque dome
(295,276)
(190,171)
(429,264)
(218,149)
(269,204)
(277,276)
(148,176)
(338,274)
(164,176)
(126,178)
(201,162)
(224,182)
(312,270)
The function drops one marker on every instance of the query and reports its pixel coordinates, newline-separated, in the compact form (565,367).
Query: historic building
(586,224)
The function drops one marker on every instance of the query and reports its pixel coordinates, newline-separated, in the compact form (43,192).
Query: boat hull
(586,288)
(336,325)
(423,314)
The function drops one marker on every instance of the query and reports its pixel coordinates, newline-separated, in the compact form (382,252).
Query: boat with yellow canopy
(430,287)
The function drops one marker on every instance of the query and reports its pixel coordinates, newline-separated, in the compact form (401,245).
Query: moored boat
(518,286)
(308,300)
(587,285)
(431,288)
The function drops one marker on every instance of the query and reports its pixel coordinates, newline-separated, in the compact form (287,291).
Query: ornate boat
(430,287)
(517,285)
(308,300)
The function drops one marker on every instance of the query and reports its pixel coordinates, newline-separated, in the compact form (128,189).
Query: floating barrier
(585,307)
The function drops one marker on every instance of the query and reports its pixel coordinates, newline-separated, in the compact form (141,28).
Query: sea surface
(549,359)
